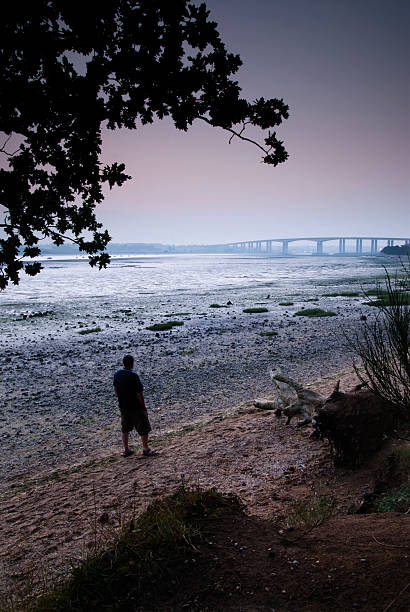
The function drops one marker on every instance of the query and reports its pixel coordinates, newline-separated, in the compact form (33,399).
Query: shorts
(135,418)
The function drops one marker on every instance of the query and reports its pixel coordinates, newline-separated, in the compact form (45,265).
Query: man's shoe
(148,452)
(127,453)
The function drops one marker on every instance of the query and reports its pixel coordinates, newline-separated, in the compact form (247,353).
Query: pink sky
(343,69)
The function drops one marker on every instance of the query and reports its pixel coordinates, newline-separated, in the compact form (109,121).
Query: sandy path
(56,519)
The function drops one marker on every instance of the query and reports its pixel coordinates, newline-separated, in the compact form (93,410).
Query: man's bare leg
(146,450)
(124,436)
(144,440)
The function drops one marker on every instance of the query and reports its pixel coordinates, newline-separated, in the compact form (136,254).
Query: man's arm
(115,391)
(141,400)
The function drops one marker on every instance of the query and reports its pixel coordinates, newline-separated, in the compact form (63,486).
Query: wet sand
(56,399)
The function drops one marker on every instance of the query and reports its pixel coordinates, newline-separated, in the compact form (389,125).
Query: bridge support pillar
(285,247)
(269,246)
(359,246)
(373,249)
(390,242)
(342,245)
(319,247)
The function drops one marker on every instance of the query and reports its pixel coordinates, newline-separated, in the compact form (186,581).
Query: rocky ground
(56,399)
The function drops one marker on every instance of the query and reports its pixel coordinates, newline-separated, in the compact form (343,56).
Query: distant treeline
(397,250)
(142,248)
(113,248)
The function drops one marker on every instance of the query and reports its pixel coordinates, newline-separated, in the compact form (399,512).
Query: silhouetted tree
(67,69)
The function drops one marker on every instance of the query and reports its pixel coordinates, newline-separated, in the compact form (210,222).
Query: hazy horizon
(343,70)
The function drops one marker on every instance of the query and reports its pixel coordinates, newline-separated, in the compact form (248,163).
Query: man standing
(128,388)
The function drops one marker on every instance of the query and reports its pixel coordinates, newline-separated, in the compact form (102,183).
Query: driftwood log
(355,423)
(292,399)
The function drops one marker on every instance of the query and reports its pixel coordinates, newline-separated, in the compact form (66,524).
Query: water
(134,277)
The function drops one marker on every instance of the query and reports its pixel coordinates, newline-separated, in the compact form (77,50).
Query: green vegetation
(382,342)
(150,552)
(268,333)
(164,326)
(390,300)
(396,470)
(285,303)
(178,314)
(395,501)
(315,312)
(255,310)
(218,306)
(403,459)
(89,331)
(342,294)
(311,512)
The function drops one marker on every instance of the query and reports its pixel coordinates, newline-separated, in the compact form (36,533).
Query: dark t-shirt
(127,384)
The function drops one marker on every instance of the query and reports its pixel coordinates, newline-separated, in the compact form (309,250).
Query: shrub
(285,303)
(268,333)
(383,345)
(315,312)
(218,306)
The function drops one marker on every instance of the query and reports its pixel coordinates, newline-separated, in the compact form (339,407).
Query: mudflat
(56,397)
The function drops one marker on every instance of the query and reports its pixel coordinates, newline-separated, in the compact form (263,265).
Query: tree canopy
(69,70)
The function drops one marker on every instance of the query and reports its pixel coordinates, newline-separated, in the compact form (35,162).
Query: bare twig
(396,598)
(388,545)
(3,147)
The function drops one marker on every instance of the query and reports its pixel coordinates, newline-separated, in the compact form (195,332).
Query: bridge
(359,244)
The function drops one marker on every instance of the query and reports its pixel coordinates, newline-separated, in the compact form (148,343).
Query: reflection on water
(169,274)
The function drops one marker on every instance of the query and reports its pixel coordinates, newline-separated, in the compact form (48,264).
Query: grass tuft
(311,512)
(92,330)
(383,299)
(218,306)
(178,314)
(342,294)
(315,312)
(403,456)
(255,310)
(285,303)
(395,501)
(268,333)
(147,557)
(164,326)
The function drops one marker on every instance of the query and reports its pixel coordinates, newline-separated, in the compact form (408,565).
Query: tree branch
(3,148)
(238,134)
(63,236)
